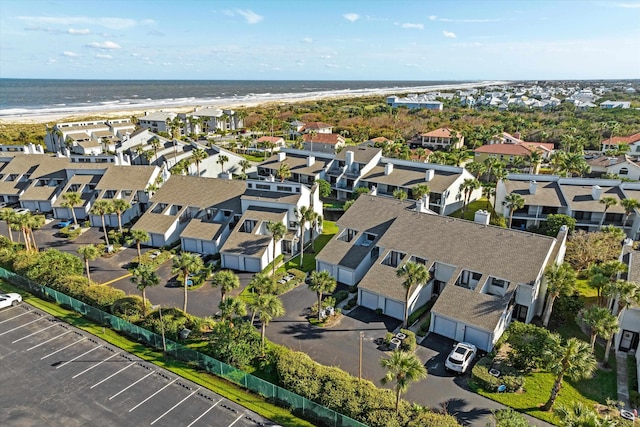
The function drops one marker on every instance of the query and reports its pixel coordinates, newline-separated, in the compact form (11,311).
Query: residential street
(334,346)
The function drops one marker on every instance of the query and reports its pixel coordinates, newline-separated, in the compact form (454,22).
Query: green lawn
(471,208)
(329,229)
(218,385)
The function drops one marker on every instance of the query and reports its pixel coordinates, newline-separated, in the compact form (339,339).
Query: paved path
(623,386)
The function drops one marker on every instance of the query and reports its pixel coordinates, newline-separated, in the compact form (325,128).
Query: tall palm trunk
(319,306)
(548,309)
(104,230)
(557,385)
(139,253)
(263,332)
(86,266)
(144,303)
(186,280)
(607,351)
(9,230)
(33,240)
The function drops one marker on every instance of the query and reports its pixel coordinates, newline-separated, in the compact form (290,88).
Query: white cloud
(332,66)
(107,22)
(78,31)
(69,54)
(307,40)
(353,17)
(449,34)
(105,45)
(103,56)
(250,16)
(416,26)
(52,60)
(629,5)
(433,18)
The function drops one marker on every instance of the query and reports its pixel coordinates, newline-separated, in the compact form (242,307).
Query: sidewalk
(623,386)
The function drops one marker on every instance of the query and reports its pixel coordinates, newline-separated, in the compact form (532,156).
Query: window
(263,187)
(283,188)
(623,171)
(249,185)
(393,258)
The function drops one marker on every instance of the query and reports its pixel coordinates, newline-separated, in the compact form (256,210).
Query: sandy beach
(107,113)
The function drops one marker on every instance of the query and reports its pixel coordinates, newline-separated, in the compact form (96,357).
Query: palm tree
(222,159)
(580,415)
(186,264)
(534,160)
(226,280)
(278,231)
(626,293)
(414,274)
(144,276)
(321,282)
(302,214)
(419,191)
(155,144)
(630,206)
(490,164)
(139,236)
(119,207)
(283,172)
(261,284)
(198,155)
(402,368)
(488,191)
(33,222)
(599,320)
(315,222)
(400,194)
(476,168)
(513,202)
(312,134)
(561,280)
(89,253)
(103,207)
(607,202)
(268,307)
(8,215)
(573,358)
(71,200)
(244,165)
(232,307)
(468,186)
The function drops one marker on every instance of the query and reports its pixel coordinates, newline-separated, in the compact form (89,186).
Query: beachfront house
(478,292)
(425,101)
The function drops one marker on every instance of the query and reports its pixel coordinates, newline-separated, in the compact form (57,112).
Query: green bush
(409,343)
(424,327)
(388,337)
(129,308)
(420,311)
(527,343)
(632,376)
(69,232)
(508,376)
(341,296)
(101,296)
(351,303)
(276,261)
(509,418)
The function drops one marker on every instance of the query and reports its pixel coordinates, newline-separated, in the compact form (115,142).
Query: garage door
(231,262)
(157,240)
(477,337)
(369,300)
(444,327)
(345,276)
(394,309)
(208,247)
(252,265)
(324,267)
(190,245)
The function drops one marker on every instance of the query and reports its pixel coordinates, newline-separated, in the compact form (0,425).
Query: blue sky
(324,40)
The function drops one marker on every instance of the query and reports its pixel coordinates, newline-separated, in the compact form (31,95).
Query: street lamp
(360,358)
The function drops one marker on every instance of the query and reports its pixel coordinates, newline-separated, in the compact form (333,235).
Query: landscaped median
(224,388)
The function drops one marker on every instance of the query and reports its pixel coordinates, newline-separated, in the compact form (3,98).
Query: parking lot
(54,374)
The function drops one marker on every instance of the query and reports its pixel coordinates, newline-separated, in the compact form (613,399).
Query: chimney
(429,175)
(596,192)
(311,160)
(425,200)
(516,135)
(388,168)
(271,178)
(281,156)
(482,217)
(349,157)
(374,191)
(533,186)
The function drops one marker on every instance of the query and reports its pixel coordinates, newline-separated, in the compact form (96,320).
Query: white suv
(461,357)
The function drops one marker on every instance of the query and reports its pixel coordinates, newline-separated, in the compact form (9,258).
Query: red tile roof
(622,139)
(274,139)
(380,139)
(324,138)
(505,149)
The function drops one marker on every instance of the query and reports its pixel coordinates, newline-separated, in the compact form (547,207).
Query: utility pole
(164,342)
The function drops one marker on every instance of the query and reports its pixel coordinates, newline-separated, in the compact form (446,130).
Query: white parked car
(21,211)
(461,357)
(7,300)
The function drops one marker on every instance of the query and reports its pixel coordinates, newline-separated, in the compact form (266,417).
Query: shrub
(341,296)
(351,303)
(128,308)
(69,232)
(388,337)
(527,343)
(378,311)
(509,418)
(420,311)
(173,320)
(482,378)
(409,343)
(101,296)
(566,308)
(424,327)
(632,375)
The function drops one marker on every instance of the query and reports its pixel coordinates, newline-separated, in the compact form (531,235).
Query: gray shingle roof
(297,164)
(248,243)
(579,198)
(201,230)
(403,176)
(360,154)
(201,192)
(547,193)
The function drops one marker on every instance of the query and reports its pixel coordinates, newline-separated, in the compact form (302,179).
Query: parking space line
(113,375)
(14,317)
(59,350)
(97,364)
(36,332)
(50,339)
(237,419)
(131,385)
(22,326)
(174,406)
(174,380)
(204,413)
(78,357)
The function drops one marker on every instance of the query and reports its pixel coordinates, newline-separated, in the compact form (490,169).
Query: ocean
(42,96)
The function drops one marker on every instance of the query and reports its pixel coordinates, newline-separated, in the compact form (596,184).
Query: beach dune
(184,106)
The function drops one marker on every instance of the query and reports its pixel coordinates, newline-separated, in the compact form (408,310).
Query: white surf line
(131,385)
(59,350)
(78,357)
(14,317)
(205,413)
(174,406)
(97,364)
(174,380)
(237,419)
(21,326)
(50,339)
(113,375)
(36,332)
